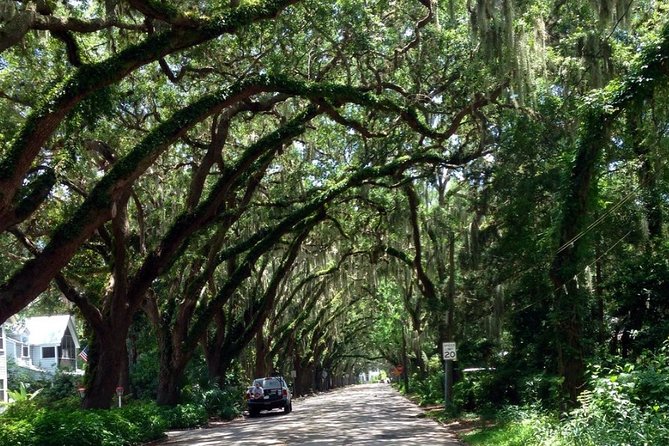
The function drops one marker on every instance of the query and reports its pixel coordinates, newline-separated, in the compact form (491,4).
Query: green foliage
(516,426)
(625,404)
(185,416)
(22,410)
(144,374)
(27,424)
(226,403)
(509,434)
(429,390)
(59,428)
(541,389)
(63,385)
(17,433)
(472,392)
(147,417)
(22,394)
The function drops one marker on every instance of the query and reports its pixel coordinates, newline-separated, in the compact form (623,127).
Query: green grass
(507,434)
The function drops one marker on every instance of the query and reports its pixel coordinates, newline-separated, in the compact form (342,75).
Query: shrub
(26,424)
(625,405)
(224,403)
(543,389)
(89,428)
(16,433)
(63,385)
(482,390)
(144,374)
(22,410)
(515,426)
(148,419)
(429,390)
(185,416)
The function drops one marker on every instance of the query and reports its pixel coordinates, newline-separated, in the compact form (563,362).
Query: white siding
(3,366)
(48,364)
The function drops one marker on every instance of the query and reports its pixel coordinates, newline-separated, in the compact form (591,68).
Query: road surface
(370,414)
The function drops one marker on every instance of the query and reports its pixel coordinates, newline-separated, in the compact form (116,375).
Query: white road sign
(449,351)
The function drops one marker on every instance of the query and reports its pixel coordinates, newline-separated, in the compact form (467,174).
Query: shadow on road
(365,415)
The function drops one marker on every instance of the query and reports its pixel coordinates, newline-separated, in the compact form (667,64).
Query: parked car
(276,395)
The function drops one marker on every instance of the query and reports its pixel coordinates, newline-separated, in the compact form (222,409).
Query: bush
(185,416)
(543,389)
(484,390)
(26,424)
(514,426)
(89,428)
(22,410)
(62,386)
(429,390)
(148,419)
(16,433)
(626,404)
(224,403)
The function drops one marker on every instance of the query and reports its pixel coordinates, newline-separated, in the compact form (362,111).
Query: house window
(48,352)
(2,389)
(2,342)
(25,351)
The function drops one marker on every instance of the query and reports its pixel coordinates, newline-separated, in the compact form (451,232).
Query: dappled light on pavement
(372,414)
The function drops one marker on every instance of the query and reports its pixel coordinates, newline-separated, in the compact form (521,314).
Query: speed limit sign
(449,351)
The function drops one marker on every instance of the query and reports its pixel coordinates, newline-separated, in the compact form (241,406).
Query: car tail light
(285,392)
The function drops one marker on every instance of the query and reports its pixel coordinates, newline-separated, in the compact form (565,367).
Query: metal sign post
(449,354)
(119,392)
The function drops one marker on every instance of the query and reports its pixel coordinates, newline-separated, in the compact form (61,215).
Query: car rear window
(271,383)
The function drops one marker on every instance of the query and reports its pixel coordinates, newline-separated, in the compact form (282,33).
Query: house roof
(49,329)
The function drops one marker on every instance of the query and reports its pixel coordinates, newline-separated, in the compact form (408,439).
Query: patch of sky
(614,166)
(494,130)
(557,90)
(77,3)
(618,142)
(665,130)
(454,140)
(434,120)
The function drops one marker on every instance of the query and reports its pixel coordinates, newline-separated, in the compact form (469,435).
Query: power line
(599,220)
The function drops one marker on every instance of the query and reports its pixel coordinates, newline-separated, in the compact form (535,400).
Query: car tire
(288,408)
(254,412)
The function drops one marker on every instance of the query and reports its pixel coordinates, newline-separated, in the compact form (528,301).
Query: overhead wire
(599,220)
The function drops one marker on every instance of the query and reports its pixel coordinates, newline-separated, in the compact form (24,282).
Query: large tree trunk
(169,384)
(449,334)
(173,361)
(651,195)
(571,301)
(304,380)
(263,364)
(104,368)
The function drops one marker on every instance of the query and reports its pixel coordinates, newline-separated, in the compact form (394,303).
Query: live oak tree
(167,155)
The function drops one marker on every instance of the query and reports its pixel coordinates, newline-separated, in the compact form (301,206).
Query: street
(369,414)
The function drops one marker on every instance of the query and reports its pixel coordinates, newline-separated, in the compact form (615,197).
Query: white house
(3,365)
(44,343)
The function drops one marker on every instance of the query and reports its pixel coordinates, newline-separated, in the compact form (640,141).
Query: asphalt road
(371,414)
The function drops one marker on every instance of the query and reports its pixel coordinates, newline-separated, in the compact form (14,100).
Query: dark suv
(276,395)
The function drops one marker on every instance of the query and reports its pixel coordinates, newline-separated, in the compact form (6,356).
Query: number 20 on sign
(449,351)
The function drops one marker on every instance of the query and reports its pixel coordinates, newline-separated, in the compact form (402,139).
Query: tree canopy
(337,182)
